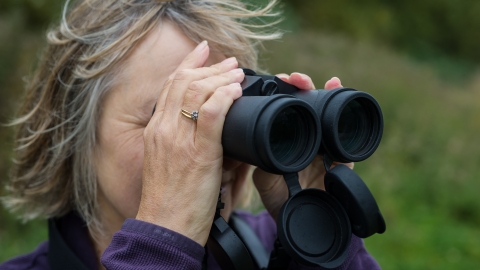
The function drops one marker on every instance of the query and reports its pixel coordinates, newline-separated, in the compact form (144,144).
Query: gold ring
(192,115)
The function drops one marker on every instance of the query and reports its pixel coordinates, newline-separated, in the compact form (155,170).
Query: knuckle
(209,112)
(161,137)
(183,75)
(228,77)
(224,93)
(216,69)
(229,92)
(197,86)
(156,134)
(147,132)
(234,89)
(187,145)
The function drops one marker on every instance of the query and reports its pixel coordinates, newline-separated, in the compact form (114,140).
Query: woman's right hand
(183,158)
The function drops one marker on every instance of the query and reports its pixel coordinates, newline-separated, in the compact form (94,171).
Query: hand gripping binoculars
(280,129)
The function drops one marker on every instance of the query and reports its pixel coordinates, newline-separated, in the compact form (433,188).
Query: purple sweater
(141,245)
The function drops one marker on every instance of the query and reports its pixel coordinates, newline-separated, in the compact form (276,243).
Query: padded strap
(228,250)
(251,241)
(60,256)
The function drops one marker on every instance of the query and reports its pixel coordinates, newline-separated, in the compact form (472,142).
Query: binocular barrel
(281,129)
(352,122)
(277,133)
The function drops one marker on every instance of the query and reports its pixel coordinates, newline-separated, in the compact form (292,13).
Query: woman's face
(126,111)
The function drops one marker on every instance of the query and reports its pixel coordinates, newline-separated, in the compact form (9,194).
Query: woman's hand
(183,158)
(272,187)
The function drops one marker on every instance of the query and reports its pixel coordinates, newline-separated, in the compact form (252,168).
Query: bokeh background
(419,58)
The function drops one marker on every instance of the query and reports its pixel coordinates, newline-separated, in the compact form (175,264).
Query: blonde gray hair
(56,128)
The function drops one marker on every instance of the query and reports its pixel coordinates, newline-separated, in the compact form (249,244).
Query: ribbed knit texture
(142,245)
(34,260)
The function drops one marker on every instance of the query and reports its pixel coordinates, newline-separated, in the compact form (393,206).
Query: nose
(230,164)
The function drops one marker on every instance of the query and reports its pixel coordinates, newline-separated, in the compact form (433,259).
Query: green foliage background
(418,58)
(444,26)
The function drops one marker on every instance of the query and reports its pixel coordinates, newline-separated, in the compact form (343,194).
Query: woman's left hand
(272,188)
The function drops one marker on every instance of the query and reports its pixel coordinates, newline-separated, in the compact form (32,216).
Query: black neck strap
(250,240)
(224,244)
(60,256)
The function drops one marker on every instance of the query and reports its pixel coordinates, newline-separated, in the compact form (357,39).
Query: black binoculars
(280,129)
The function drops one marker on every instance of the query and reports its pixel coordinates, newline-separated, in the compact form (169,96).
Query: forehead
(160,52)
(157,56)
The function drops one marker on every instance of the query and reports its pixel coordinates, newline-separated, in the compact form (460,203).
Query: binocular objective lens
(355,126)
(286,135)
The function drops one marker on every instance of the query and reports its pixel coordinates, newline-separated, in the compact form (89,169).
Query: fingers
(283,76)
(191,80)
(304,82)
(200,91)
(195,59)
(212,114)
(333,83)
(272,190)
(300,80)
(193,87)
(265,181)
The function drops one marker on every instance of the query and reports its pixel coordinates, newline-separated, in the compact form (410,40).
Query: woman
(125,189)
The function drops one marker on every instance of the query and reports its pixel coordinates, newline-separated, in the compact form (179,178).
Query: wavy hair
(56,127)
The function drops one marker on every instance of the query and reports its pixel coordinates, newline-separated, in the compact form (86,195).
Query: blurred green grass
(425,28)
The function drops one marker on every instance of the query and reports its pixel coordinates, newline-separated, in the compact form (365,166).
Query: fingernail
(202,45)
(303,76)
(335,78)
(229,60)
(236,71)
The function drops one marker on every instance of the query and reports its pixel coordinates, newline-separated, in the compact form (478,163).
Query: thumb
(272,189)
(265,181)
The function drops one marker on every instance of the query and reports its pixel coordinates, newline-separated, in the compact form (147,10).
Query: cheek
(120,167)
(129,174)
